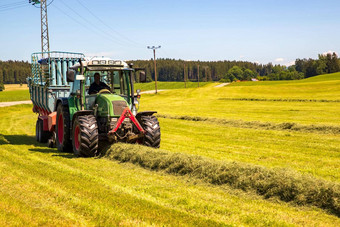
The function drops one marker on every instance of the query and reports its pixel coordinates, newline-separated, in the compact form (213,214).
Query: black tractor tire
(85,136)
(37,131)
(63,140)
(152,136)
(41,135)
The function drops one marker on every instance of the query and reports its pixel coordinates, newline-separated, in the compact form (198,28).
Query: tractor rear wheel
(41,135)
(85,136)
(63,129)
(152,136)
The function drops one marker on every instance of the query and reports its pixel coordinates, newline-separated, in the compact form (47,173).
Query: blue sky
(259,31)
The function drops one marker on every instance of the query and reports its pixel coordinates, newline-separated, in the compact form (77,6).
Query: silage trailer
(75,121)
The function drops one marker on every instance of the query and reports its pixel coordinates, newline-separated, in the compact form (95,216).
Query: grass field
(43,187)
(14,92)
(169,85)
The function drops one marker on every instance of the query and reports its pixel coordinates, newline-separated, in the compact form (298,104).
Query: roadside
(222,85)
(151,91)
(5,104)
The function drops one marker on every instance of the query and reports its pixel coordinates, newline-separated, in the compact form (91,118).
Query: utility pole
(45,41)
(198,75)
(154,59)
(185,80)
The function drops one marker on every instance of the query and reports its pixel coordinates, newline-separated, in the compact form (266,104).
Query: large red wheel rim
(76,137)
(60,129)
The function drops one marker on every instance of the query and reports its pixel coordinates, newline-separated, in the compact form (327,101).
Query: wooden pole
(198,75)
(154,59)
(185,80)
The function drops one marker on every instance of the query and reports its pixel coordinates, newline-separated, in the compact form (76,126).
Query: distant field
(285,127)
(256,101)
(169,85)
(14,92)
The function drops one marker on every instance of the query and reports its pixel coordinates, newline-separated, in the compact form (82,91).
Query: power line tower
(45,41)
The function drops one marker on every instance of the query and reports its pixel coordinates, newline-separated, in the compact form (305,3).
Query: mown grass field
(169,85)
(14,92)
(43,187)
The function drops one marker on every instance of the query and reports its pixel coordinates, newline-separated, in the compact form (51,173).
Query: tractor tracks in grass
(285,126)
(283,184)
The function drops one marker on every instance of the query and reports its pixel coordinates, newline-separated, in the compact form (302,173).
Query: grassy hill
(271,127)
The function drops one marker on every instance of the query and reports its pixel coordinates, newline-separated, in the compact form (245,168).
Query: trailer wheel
(41,135)
(152,130)
(63,129)
(85,136)
(37,130)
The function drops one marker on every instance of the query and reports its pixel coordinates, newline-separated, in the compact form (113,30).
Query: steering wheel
(104,91)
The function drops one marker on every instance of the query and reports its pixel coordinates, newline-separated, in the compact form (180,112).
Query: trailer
(72,119)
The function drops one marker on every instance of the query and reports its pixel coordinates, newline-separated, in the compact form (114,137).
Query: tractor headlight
(114,119)
(102,62)
(95,62)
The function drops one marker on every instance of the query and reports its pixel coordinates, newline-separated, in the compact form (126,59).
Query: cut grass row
(43,187)
(280,183)
(316,154)
(208,102)
(285,126)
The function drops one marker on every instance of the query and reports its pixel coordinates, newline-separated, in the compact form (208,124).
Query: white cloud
(279,60)
(290,63)
(329,52)
(242,56)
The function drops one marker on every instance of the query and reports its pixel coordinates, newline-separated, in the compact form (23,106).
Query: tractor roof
(102,64)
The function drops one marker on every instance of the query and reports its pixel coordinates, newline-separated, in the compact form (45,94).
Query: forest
(15,72)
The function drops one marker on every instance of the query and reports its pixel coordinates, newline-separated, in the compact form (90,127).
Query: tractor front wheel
(85,136)
(63,129)
(152,136)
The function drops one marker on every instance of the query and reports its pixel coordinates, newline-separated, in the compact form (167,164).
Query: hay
(285,126)
(286,185)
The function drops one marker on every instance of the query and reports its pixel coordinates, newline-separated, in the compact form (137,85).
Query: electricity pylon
(45,41)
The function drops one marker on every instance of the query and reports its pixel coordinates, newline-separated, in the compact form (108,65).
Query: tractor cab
(115,81)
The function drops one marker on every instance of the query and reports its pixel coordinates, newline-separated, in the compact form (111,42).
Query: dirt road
(4,104)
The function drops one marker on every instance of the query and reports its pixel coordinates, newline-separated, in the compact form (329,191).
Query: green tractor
(84,121)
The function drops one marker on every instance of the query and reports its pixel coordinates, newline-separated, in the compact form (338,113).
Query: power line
(13,4)
(108,26)
(89,27)
(12,8)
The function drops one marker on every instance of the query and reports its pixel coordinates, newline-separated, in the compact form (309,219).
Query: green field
(14,92)
(239,123)
(168,85)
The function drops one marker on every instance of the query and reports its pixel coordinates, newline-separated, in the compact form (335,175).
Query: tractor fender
(81,113)
(63,101)
(144,113)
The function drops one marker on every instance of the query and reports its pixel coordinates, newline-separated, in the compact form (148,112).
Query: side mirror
(70,76)
(142,77)
(138,92)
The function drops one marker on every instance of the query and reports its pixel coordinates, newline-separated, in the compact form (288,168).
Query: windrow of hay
(279,100)
(286,185)
(290,126)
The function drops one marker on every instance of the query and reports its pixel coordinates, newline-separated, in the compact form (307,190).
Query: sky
(262,31)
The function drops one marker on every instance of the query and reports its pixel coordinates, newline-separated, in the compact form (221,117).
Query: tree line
(179,70)
(14,72)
